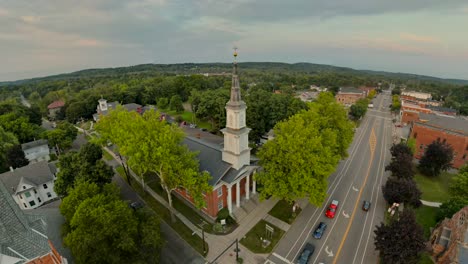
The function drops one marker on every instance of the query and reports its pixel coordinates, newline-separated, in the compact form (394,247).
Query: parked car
(306,254)
(330,213)
(320,230)
(366,206)
(136,205)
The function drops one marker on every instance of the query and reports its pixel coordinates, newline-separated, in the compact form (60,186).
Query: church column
(229,199)
(247,187)
(238,194)
(254,187)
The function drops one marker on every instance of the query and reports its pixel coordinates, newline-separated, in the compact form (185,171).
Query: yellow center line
(372,142)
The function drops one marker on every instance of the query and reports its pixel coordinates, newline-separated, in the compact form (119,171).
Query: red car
(330,213)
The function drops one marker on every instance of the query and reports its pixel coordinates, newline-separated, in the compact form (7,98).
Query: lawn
(426,216)
(106,155)
(179,205)
(425,259)
(252,239)
(186,233)
(283,211)
(434,189)
(189,117)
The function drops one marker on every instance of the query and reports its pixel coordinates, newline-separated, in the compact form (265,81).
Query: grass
(426,216)
(425,259)
(283,211)
(252,238)
(186,233)
(179,205)
(107,156)
(189,117)
(434,189)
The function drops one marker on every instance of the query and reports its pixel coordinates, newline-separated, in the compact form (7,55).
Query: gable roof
(32,174)
(210,158)
(350,90)
(56,104)
(33,144)
(21,236)
(444,122)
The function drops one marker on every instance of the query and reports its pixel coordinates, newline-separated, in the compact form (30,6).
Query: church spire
(235,87)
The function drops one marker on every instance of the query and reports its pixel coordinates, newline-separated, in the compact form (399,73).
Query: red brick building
(230,164)
(408,116)
(367,89)
(430,128)
(449,240)
(349,95)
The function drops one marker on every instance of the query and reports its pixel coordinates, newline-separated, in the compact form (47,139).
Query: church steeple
(235,87)
(236,135)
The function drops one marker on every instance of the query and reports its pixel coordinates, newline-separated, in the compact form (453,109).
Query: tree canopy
(401,164)
(402,190)
(305,151)
(152,145)
(437,158)
(15,157)
(359,109)
(103,229)
(401,241)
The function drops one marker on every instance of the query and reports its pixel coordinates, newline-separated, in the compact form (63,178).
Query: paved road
(349,237)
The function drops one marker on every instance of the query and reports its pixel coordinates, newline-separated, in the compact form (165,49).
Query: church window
(461,219)
(220,191)
(220,204)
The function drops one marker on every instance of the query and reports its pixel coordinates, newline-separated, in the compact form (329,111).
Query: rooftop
(56,104)
(350,90)
(34,144)
(444,122)
(32,174)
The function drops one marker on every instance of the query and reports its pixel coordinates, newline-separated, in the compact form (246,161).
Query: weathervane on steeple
(235,53)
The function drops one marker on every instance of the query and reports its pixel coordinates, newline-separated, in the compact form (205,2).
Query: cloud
(30,19)
(419,38)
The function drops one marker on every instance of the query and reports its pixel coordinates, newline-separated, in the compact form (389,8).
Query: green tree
(82,191)
(411,143)
(15,157)
(163,103)
(437,158)
(91,152)
(20,126)
(402,190)
(154,146)
(359,109)
(62,137)
(103,229)
(448,208)
(459,184)
(176,104)
(396,104)
(306,150)
(401,241)
(7,141)
(210,105)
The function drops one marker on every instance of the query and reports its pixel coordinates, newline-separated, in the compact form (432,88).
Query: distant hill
(194,68)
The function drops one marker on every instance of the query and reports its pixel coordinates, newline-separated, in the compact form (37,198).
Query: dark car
(366,206)
(320,230)
(306,254)
(136,205)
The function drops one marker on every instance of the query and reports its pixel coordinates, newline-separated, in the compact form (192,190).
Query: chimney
(11,169)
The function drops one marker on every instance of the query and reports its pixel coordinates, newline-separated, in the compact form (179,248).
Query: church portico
(240,191)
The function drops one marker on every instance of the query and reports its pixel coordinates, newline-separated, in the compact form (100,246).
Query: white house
(31,186)
(36,151)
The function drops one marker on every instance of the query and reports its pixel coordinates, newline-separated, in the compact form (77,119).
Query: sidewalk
(218,243)
(431,204)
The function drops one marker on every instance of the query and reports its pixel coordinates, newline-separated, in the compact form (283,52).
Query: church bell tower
(236,135)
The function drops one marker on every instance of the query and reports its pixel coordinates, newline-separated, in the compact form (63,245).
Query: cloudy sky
(43,37)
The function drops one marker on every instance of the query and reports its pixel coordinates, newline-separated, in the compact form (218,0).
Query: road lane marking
(372,141)
(329,253)
(281,257)
(374,188)
(376,202)
(344,214)
(355,189)
(339,177)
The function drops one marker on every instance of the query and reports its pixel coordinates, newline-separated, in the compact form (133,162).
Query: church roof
(210,158)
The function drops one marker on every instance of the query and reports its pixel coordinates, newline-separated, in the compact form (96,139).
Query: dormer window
(24,187)
(44,185)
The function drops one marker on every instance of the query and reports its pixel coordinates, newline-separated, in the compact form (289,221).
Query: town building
(367,89)
(413,106)
(417,95)
(54,108)
(22,236)
(349,95)
(31,186)
(36,151)
(104,107)
(449,239)
(230,165)
(454,131)
(307,96)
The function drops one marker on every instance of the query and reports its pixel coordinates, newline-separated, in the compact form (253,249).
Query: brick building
(230,165)
(449,240)
(349,95)
(417,95)
(408,116)
(429,128)
(367,89)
